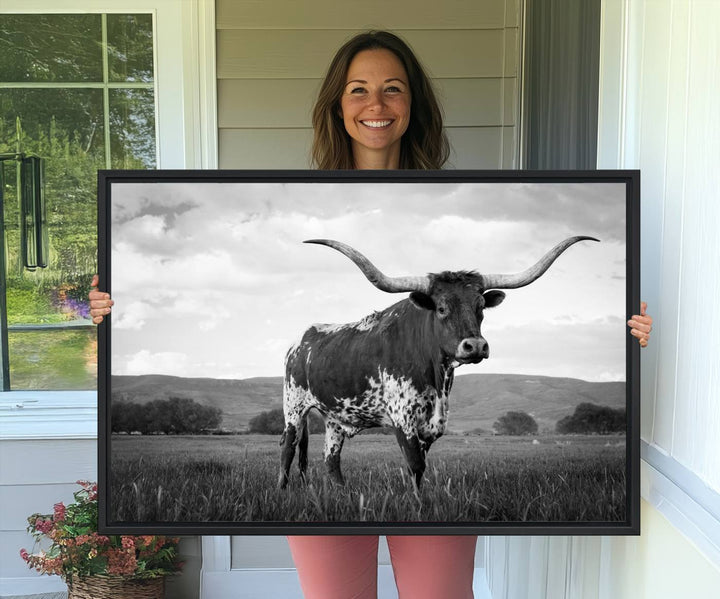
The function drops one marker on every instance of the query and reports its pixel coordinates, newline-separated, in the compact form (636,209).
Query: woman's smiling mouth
(377,124)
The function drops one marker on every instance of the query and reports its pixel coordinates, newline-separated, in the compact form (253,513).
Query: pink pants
(337,567)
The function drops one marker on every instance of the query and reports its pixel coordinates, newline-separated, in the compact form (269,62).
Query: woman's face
(375,104)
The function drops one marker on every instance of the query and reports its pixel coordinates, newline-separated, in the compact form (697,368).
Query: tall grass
(175,479)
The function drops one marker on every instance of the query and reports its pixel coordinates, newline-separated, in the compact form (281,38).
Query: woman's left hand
(641,325)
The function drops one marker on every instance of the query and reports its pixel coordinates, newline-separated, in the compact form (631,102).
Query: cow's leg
(294,409)
(414,454)
(334,438)
(288,440)
(303,447)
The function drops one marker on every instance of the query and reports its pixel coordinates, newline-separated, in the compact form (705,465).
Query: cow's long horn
(377,278)
(534,272)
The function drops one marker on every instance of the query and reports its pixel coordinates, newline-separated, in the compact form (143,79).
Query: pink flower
(121,562)
(59,512)
(128,542)
(24,555)
(44,526)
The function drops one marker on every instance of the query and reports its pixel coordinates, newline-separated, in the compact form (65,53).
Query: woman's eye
(357,90)
(393,89)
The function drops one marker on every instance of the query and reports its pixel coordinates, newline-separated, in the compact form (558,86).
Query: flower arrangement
(78,551)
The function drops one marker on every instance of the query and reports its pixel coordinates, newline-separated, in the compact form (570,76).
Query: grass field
(468,479)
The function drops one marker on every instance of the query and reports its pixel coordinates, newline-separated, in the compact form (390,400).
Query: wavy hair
(423,146)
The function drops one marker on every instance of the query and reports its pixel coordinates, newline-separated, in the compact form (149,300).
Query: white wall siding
(34,475)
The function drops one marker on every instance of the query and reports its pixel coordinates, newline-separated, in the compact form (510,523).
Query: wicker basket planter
(116,587)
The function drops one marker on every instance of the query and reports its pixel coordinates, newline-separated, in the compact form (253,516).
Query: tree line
(175,415)
(588,418)
(185,416)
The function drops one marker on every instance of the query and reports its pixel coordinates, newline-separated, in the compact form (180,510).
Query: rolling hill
(476,400)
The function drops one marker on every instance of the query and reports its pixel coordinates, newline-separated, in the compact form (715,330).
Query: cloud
(143,362)
(219,273)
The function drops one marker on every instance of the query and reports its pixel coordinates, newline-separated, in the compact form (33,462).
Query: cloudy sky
(213,280)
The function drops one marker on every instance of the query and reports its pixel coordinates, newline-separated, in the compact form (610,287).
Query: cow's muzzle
(472,350)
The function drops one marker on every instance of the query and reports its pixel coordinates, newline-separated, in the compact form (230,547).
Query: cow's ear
(493,298)
(422,300)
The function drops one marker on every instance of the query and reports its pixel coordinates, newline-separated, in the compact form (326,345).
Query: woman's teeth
(376,124)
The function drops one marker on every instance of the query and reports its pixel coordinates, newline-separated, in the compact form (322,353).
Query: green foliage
(77,550)
(592,418)
(66,127)
(515,423)
(175,415)
(272,422)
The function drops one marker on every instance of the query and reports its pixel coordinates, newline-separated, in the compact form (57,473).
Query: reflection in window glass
(132,128)
(57,359)
(51,118)
(130,47)
(52,344)
(37,48)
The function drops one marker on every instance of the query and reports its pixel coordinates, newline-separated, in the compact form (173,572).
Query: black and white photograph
(310,352)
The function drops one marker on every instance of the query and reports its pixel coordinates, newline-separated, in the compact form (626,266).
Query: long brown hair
(424,144)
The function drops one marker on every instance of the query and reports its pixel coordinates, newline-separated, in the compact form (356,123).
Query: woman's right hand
(100,302)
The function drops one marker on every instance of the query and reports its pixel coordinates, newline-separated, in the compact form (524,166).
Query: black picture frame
(537,201)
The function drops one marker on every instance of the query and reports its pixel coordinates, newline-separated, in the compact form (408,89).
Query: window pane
(130,47)
(65,127)
(53,360)
(51,118)
(132,128)
(50,48)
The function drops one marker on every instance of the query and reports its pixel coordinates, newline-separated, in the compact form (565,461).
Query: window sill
(48,415)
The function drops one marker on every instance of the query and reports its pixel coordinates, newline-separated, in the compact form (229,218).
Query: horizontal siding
(332,14)
(19,501)
(280,103)
(475,147)
(47,462)
(271,58)
(34,476)
(11,565)
(298,54)
(264,148)
(471,148)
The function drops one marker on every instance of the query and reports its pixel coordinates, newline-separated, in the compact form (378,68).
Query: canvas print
(355,353)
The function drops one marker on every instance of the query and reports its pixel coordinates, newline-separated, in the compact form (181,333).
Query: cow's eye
(442,310)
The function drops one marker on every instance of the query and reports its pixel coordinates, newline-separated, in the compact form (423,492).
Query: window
(78,91)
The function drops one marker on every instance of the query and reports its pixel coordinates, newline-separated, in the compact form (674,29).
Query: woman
(376,109)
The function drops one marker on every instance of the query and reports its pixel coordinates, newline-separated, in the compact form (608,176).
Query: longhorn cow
(394,367)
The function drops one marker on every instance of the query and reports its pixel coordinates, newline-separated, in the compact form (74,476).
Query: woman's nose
(375,99)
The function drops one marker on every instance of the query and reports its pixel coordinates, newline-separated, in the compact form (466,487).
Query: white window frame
(186,129)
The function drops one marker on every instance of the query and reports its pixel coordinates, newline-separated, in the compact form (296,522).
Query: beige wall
(661,563)
(271,57)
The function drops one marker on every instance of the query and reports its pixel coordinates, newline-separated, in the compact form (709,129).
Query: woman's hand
(100,302)
(641,325)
